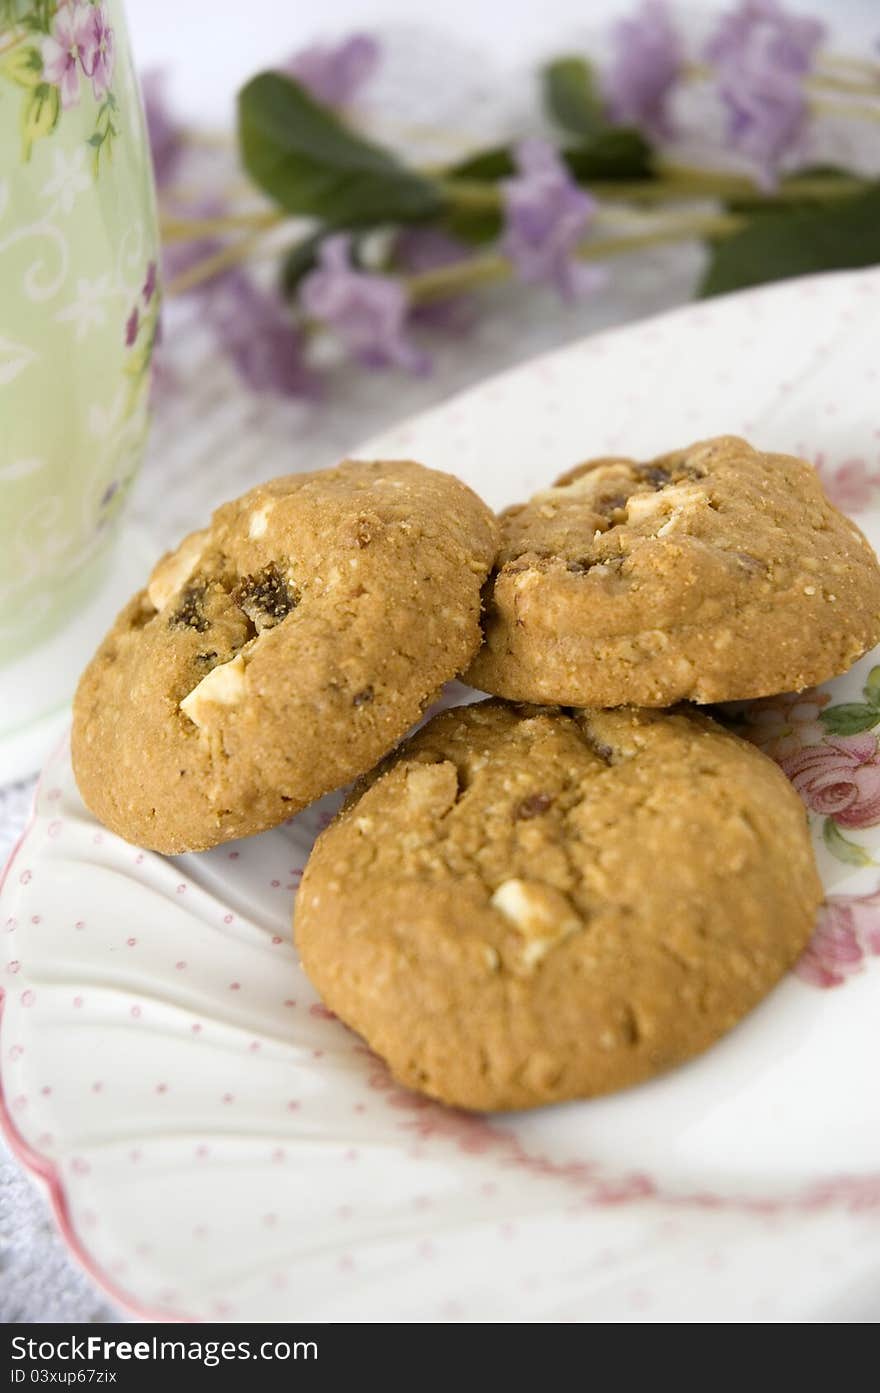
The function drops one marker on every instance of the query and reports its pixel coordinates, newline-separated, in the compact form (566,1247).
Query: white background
(211,46)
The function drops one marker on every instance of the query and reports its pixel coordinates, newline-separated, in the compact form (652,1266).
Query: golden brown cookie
(525,905)
(714,573)
(281,651)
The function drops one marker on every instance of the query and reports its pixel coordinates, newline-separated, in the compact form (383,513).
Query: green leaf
(849,718)
(471,226)
(39,116)
(487,166)
(571,96)
(24,66)
(797,243)
(828,173)
(307,161)
(872,687)
(619,154)
(841,847)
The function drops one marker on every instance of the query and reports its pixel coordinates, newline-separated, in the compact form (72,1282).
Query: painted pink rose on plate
(847,931)
(839,779)
(781,725)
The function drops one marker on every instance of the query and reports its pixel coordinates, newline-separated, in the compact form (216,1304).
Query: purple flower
(334,73)
(648,58)
(761,31)
(259,337)
(63,49)
(762,56)
(165,136)
(766,120)
(98,51)
(132,324)
(546,218)
(425,249)
(148,289)
(250,326)
(367,311)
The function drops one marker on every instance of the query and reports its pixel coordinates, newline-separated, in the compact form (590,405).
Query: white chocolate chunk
(172,571)
(644,505)
(673,499)
(259,520)
(512,899)
(536,910)
(223,686)
(671,524)
(591,482)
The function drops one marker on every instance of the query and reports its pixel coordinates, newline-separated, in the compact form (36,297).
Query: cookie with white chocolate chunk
(525,905)
(711,574)
(281,651)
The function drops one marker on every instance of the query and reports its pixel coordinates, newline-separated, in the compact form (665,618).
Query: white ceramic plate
(218,1146)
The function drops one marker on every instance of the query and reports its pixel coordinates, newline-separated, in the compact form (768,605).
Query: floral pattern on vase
(79,304)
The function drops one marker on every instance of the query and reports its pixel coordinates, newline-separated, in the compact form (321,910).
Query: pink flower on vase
(839,779)
(132,324)
(64,48)
(98,52)
(151,279)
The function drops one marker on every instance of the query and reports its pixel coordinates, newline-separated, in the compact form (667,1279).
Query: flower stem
(444,281)
(675,182)
(212,266)
(866,66)
(472,195)
(818,81)
(855,110)
(709,183)
(829,82)
(13,37)
(185,229)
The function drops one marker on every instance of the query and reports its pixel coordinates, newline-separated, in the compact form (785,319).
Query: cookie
(525,905)
(714,573)
(281,651)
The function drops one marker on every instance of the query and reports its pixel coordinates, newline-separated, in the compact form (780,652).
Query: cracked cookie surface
(281,651)
(715,573)
(524,905)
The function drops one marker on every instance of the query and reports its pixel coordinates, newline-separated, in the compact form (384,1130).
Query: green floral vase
(79,306)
